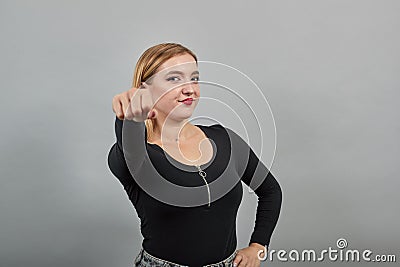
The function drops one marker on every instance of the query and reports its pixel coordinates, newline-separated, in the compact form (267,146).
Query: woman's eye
(196,79)
(173,78)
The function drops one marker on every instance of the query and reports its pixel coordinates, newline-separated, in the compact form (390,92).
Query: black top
(202,233)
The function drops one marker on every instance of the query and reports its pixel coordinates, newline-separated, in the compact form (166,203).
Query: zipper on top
(203,175)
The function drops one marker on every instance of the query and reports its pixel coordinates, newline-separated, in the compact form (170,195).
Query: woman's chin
(180,116)
(180,112)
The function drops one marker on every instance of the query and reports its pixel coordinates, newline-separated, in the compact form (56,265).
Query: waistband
(143,254)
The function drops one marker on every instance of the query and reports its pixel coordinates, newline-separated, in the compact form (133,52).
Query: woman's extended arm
(131,108)
(116,158)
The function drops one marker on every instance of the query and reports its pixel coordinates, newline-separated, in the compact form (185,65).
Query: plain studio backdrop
(329,69)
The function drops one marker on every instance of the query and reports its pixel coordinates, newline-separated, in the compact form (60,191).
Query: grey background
(328,68)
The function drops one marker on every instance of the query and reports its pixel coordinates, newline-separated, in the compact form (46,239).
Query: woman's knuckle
(146,108)
(136,112)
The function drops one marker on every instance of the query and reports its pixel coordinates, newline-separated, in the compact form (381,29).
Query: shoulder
(212,126)
(219,130)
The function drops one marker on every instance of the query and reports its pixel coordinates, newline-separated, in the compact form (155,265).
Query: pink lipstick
(187,101)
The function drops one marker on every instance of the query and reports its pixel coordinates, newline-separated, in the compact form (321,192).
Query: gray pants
(144,259)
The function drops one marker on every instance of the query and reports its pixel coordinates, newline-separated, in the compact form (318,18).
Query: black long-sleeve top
(204,231)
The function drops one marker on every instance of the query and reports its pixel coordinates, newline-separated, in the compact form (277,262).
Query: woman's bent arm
(257,176)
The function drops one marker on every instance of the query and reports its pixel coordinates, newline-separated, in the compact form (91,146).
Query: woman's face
(175,81)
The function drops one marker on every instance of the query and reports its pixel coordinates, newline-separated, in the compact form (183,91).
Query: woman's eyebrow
(180,72)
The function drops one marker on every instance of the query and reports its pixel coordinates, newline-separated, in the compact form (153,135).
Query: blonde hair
(148,65)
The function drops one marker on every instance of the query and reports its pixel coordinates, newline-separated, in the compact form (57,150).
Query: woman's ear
(152,114)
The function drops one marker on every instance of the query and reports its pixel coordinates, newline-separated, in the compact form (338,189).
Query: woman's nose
(188,89)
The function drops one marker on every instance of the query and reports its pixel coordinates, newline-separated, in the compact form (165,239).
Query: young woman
(156,111)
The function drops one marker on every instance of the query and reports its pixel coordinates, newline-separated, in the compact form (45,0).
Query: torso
(173,231)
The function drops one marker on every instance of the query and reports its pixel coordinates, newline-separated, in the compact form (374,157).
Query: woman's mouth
(187,101)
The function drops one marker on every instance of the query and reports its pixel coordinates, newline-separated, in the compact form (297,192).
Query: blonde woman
(157,109)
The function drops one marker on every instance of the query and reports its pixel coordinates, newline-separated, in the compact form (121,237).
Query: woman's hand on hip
(248,257)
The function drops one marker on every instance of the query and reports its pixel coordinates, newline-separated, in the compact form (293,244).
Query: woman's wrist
(261,250)
(257,245)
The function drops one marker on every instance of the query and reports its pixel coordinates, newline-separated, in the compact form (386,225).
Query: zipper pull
(203,175)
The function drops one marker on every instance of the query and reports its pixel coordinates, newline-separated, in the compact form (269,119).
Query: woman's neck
(172,131)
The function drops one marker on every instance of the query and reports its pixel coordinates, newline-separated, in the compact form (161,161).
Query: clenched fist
(135,104)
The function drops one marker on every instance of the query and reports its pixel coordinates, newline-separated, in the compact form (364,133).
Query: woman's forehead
(183,63)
